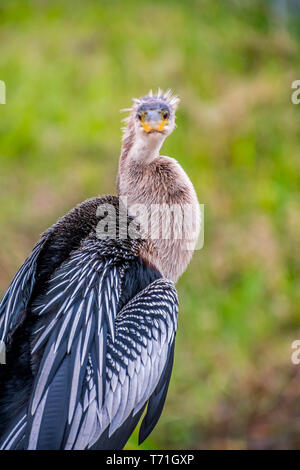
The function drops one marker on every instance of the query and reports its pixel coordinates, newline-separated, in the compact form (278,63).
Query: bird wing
(16,298)
(139,364)
(99,367)
(81,303)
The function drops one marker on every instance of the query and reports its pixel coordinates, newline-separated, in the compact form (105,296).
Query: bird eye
(139,116)
(166,115)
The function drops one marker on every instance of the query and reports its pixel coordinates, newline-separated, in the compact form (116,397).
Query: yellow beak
(153,125)
(152,121)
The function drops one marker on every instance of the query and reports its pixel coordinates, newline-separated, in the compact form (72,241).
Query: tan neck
(152,180)
(138,148)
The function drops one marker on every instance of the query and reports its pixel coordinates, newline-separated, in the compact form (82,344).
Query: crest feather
(167,96)
(171,100)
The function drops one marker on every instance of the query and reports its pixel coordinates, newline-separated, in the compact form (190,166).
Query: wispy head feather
(168,98)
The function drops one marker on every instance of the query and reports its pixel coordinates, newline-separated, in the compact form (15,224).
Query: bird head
(154,114)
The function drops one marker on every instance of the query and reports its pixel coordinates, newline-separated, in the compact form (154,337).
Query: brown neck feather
(147,178)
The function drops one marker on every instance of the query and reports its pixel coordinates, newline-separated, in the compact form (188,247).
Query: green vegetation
(69,67)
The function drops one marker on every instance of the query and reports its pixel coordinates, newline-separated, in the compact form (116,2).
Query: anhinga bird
(89,322)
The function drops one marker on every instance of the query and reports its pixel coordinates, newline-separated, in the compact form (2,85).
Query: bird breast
(163,201)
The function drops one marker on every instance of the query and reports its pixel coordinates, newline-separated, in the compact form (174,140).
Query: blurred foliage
(69,67)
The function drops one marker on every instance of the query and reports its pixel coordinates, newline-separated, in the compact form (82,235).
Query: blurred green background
(69,67)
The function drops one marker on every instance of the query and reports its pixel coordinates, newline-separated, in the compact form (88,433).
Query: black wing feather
(17,296)
(98,367)
(157,400)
